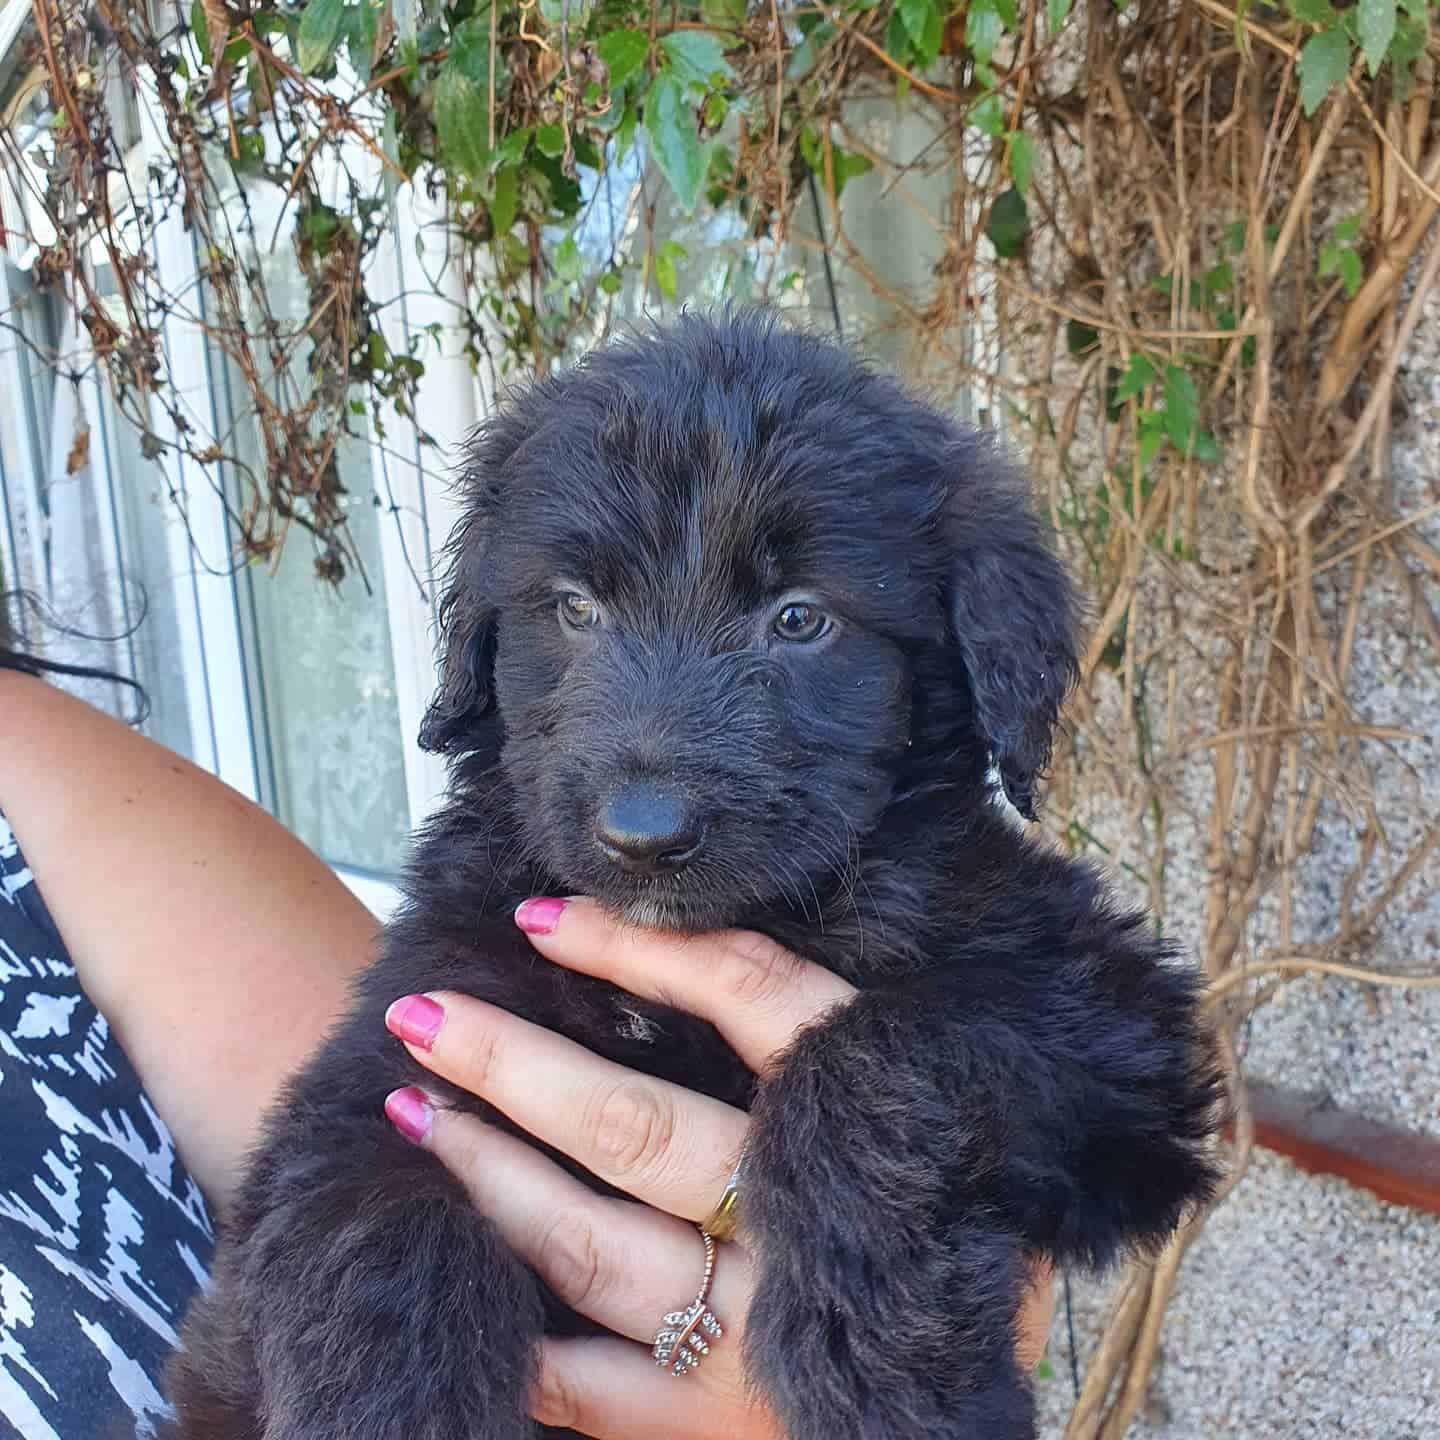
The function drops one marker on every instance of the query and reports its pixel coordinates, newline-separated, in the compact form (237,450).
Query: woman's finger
(620,1264)
(662,1144)
(612,1390)
(755,992)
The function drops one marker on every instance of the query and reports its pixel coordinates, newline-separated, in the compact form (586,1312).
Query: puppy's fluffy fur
(1025,1069)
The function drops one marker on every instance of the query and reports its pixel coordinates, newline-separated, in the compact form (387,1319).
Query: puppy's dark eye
(801,622)
(578,611)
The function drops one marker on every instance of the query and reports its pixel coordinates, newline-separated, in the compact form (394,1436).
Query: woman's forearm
(216,945)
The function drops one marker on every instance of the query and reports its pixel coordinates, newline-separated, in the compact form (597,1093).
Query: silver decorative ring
(680,1342)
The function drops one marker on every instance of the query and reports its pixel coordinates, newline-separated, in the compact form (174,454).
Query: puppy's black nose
(645,829)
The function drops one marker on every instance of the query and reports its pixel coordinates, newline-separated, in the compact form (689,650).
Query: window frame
(228,730)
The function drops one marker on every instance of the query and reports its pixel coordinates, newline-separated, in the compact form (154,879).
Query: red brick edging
(1402,1166)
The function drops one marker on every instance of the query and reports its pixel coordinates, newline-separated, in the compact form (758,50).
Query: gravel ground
(1306,1309)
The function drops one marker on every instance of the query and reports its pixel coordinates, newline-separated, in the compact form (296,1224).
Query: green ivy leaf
(1138,374)
(564,193)
(1317,12)
(624,52)
(1182,406)
(362,30)
(1181,416)
(200,29)
(695,56)
(722,170)
(318,224)
(987,114)
(667,275)
(505,202)
(1152,436)
(1411,37)
(1219,278)
(898,44)
(470,54)
(1008,223)
(1352,271)
(983,29)
(1022,160)
(1324,63)
(1347,231)
(846,165)
(674,140)
(625,131)
(1205,449)
(1080,338)
(924,26)
(1009,12)
(511,150)
(1376,20)
(462,121)
(1056,12)
(462,102)
(724,14)
(319,33)
(550,140)
(611,283)
(567,260)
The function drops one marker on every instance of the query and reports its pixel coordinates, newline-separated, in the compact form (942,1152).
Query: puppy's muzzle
(648,830)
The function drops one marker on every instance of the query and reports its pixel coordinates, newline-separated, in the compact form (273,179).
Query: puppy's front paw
(888,1290)
(373,1302)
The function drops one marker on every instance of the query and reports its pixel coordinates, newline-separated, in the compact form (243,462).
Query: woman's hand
(622,1264)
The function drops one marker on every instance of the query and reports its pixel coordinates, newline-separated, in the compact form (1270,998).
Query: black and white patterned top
(104,1237)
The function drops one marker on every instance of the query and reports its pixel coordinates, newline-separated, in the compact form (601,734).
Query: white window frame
(411,478)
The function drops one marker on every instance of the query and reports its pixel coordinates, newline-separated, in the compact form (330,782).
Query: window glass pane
(157,566)
(322,677)
(87,517)
(325,679)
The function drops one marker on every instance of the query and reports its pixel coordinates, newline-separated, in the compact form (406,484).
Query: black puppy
(738,634)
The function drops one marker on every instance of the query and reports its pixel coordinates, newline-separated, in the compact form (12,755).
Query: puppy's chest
(671,1045)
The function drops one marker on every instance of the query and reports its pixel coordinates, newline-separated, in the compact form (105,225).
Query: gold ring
(724,1219)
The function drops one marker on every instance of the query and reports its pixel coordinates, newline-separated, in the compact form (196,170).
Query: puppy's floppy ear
(467,614)
(467,642)
(1013,616)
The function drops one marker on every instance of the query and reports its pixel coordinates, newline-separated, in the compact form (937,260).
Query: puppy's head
(720,596)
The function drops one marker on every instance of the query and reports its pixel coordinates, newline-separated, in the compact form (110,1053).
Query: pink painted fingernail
(409,1112)
(540,915)
(416,1020)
